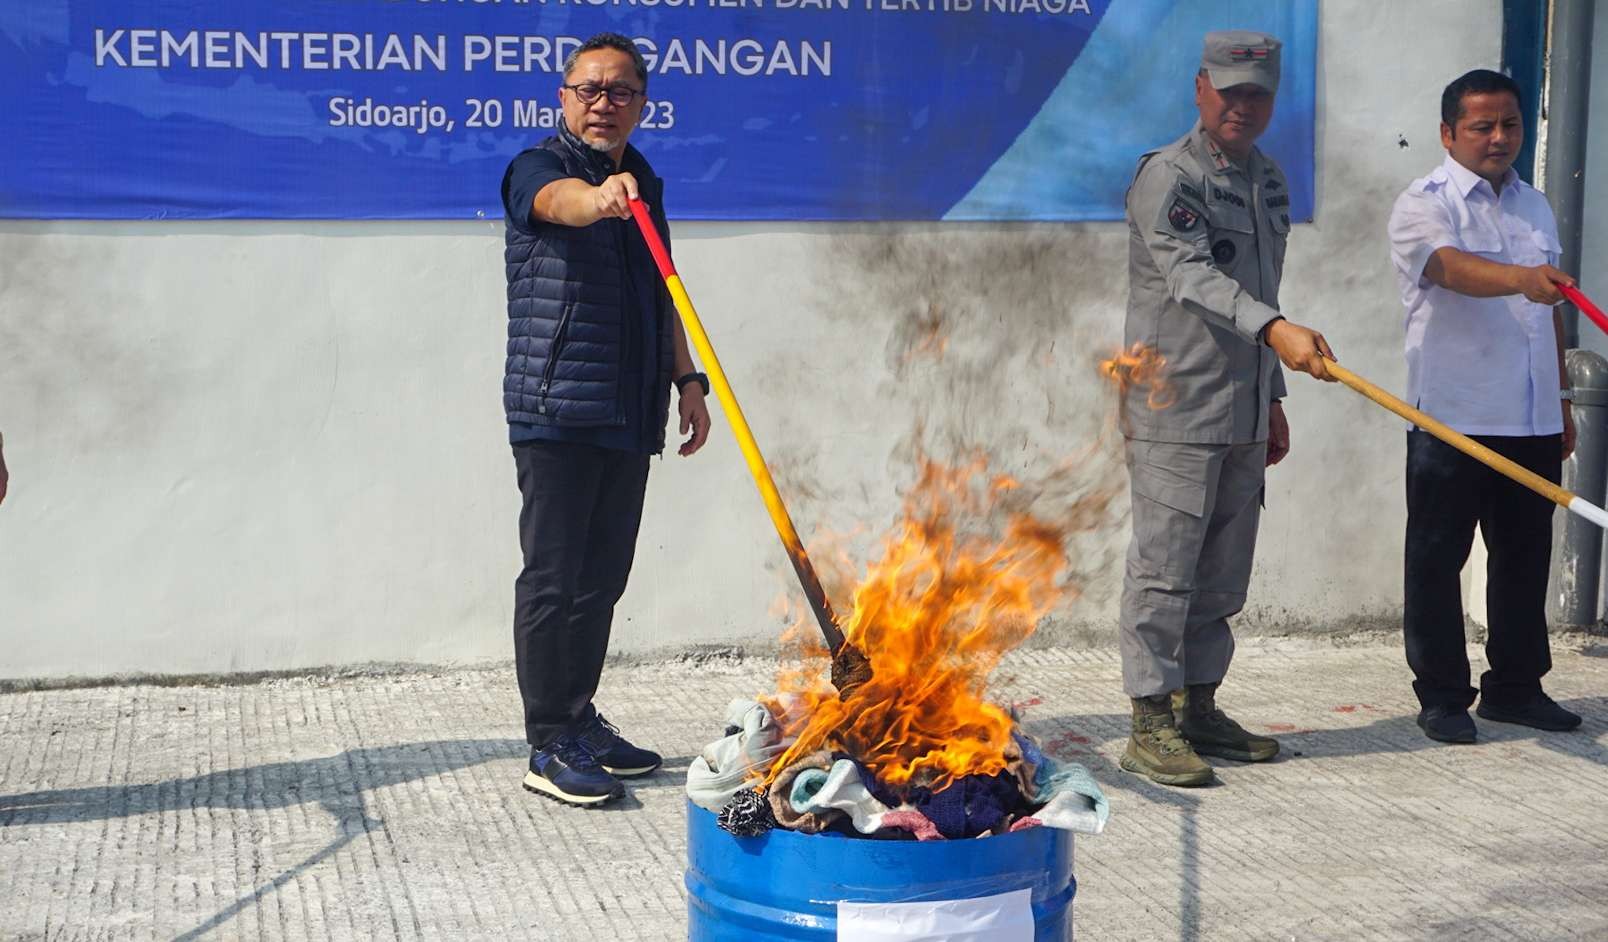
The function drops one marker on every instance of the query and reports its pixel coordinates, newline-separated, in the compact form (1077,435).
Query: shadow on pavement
(1077,738)
(1400,733)
(338,784)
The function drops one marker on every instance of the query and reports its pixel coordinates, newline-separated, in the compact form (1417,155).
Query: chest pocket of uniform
(1233,236)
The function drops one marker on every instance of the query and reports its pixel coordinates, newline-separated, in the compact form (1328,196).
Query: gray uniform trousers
(1195,514)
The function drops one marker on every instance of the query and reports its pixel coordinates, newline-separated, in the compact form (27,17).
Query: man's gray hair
(610,41)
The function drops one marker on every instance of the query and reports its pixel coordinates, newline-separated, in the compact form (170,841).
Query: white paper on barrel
(1007,917)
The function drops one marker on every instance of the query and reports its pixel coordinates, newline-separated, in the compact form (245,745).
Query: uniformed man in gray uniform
(1208,216)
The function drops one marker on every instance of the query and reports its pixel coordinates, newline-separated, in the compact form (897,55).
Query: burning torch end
(850,669)
(850,666)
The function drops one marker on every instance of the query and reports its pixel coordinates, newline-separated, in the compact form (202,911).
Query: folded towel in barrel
(821,792)
(738,760)
(781,795)
(1069,796)
(914,822)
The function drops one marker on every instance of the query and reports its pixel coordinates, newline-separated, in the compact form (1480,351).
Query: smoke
(978,343)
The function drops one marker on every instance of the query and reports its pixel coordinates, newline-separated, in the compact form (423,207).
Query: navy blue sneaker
(617,756)
(567,771)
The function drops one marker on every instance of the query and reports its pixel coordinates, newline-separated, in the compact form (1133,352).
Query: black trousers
(578,530)
(1448,493)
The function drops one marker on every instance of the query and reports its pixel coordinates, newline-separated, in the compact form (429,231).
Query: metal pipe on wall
(1524,53)
(1566,109)
(1577,551)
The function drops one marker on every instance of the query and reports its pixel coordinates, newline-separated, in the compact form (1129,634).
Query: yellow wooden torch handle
(1458,440)
(811,583)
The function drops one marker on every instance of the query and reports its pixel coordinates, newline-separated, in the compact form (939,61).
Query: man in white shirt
(1474,248)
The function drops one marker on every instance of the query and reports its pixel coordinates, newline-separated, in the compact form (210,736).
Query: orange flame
(1143,367)
(931,337)
(935,615)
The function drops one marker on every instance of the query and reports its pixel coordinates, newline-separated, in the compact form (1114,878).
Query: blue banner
(758,109)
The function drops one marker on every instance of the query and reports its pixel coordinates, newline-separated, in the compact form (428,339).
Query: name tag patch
(1233,199)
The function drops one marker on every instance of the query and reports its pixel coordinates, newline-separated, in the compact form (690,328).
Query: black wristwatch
(699,378)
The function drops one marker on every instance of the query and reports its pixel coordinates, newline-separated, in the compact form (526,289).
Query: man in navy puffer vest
(594,346)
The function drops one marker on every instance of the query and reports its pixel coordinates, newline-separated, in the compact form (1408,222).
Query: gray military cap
(1238,57)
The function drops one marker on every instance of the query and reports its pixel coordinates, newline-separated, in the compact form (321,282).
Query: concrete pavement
(388,806)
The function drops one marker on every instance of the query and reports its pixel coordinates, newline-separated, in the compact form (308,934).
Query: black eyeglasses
(619,95)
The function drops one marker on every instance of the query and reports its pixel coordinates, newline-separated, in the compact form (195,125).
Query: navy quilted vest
(571,297)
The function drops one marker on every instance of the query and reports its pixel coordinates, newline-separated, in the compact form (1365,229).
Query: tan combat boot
(1212,733)
(1155,749)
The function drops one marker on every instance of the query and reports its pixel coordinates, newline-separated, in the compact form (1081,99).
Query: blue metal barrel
(786,885)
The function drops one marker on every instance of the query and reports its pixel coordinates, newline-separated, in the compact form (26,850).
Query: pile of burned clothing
(836,792)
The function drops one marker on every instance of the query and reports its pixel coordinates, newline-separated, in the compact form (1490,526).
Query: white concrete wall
(268,445)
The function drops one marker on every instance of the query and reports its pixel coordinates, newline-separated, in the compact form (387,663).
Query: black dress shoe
(1447,724)
(1539,713)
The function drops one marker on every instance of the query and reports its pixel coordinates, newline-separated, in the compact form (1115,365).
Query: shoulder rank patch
(1182,217)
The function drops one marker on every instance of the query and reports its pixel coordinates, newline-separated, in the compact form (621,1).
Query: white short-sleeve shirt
(1484,366)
